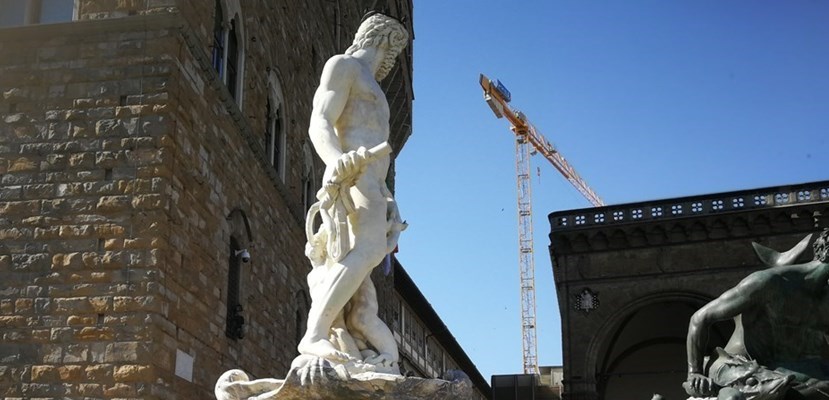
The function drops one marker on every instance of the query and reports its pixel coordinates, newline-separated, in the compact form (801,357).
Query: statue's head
(375,31)
(821,246)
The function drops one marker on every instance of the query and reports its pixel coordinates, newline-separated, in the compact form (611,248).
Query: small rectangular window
(12,12)
(52,11)
(28,12)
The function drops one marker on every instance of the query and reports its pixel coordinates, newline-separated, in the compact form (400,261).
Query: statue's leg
(363,320)
(344,278)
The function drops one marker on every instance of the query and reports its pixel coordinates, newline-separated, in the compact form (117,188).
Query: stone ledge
(324,381)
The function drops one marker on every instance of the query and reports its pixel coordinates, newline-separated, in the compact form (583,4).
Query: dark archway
(645,351)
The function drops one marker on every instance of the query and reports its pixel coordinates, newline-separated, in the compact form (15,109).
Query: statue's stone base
(321,380)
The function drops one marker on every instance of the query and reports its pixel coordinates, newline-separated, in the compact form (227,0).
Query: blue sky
(647,99)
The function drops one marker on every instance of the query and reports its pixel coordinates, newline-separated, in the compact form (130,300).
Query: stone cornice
(748,213)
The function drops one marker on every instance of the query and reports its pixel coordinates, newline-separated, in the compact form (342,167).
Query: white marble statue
(347,351)
(360,222)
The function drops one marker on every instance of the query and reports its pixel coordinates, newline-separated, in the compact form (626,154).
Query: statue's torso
(365,121)
(790,323)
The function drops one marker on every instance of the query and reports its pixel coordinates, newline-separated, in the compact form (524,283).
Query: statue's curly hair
(821,246)
(373,31)
(375,28)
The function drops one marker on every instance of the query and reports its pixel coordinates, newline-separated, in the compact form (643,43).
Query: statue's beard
(386,66)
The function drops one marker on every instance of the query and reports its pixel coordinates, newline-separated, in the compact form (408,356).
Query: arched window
(218,39)
(275,132)
(238,257)
(308,187)
(228,46)
(300,315)
(235,321)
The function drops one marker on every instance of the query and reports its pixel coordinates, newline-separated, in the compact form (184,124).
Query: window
(29,12)
(235,321)
(309,194)
(300,315)
(232,59)
(275,132)
(228,46)
(218,40)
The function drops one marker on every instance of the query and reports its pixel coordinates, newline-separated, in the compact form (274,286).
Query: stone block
(82,160)
(12,234)
(44,373)
(69,189)
(109,127)
(6,307)
(51,354)
(12,353)
(11,192)
(24,306)
(147,201)
(85,320)
(125,352)
(109,159)
(114,204)
(12,321)
(72,305)
(91,390)
(75,353)
(133,373)
(70,373)
(101,304)
(120,390)
(61,334)
(98,372)
(18,208)
(40,335)
(75,231)
(95,334)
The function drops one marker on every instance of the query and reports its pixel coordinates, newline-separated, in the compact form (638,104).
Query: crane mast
(526,136)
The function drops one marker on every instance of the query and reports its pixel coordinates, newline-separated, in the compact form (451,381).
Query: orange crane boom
(497,96)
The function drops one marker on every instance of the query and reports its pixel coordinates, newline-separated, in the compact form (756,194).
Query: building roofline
(690,206)
(404,284)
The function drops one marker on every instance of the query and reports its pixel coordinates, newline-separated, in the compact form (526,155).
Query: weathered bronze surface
(781,317)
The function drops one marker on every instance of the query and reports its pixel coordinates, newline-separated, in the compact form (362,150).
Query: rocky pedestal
(321,380)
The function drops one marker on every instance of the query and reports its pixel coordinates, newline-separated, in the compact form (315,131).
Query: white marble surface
(347,351)
(320,379)
(360,221)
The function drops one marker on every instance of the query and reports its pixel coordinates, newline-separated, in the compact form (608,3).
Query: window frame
(32,14)
(308,177)
(232,27)
(276,143)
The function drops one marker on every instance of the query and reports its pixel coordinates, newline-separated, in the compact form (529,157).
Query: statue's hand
(349,166)
(698,385)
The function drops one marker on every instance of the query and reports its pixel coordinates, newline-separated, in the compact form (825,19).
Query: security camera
(244,255)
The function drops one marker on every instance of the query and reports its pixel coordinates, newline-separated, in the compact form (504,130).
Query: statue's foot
(384,363)
(322,349)
(379,359)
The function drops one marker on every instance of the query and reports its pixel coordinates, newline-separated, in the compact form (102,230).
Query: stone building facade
(144,147)
(630,276)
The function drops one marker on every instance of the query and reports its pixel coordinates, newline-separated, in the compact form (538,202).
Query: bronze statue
(779,345)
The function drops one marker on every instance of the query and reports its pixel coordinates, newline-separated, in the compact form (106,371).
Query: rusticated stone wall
(126,170)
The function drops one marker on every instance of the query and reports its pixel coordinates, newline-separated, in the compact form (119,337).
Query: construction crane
(526,136)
